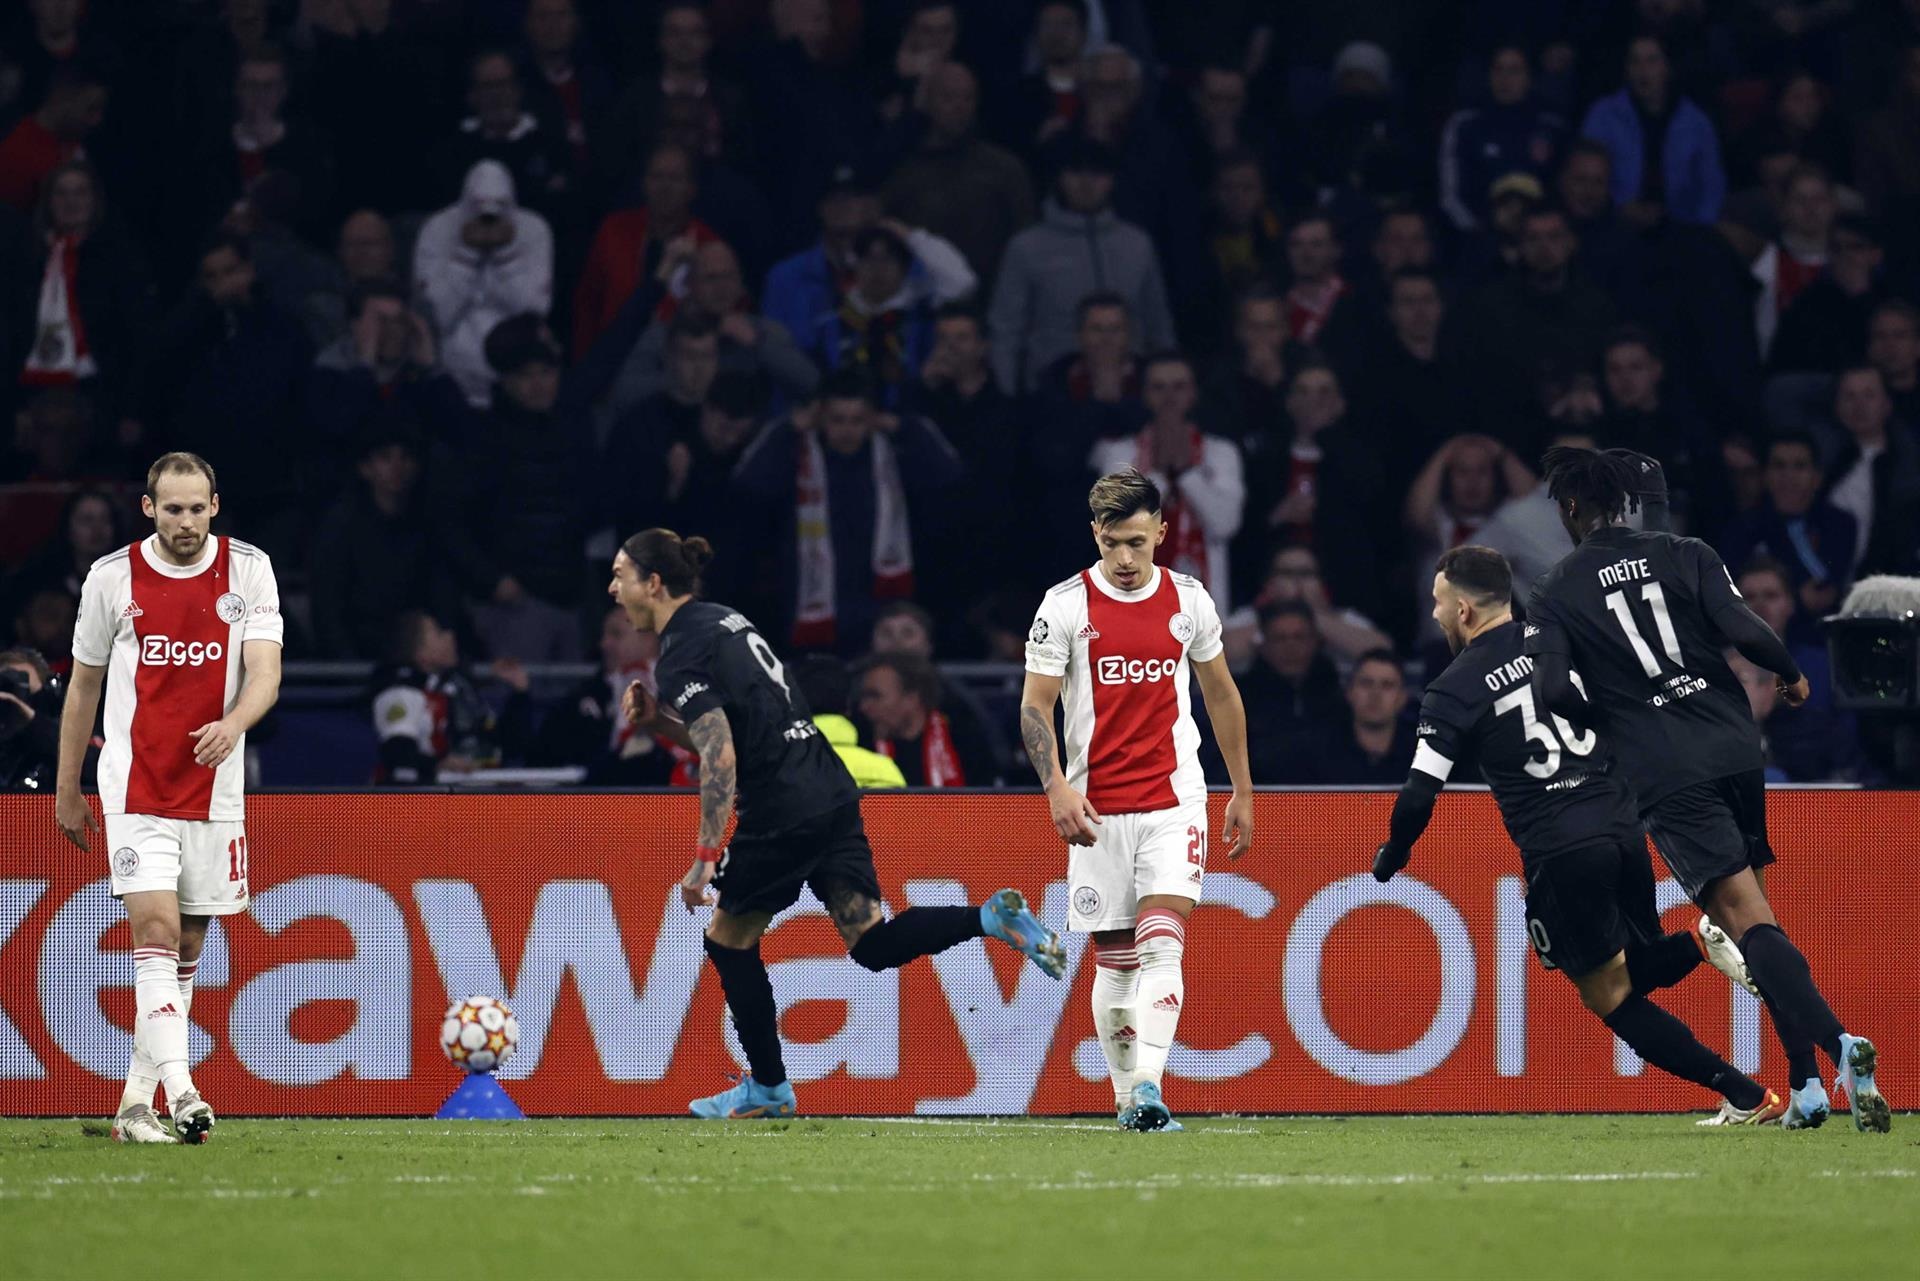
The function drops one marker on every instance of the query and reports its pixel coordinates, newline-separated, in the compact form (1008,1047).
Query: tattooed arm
(1073,817)
(713,739)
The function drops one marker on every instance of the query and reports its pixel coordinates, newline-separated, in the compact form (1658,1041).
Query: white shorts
(1155,852)
(205,863)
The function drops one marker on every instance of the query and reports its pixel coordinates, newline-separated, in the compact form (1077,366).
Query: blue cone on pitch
(480,1098)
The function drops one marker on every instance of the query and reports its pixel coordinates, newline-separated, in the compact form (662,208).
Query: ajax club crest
(1181,625)
(232,607)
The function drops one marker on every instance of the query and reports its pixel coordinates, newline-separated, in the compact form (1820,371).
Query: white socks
(1116,981)
(1159,938)
(162,987)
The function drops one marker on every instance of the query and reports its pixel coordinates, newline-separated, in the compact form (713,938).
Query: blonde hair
(180,463)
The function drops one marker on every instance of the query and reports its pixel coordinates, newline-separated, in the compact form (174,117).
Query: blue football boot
(1147,1111)
(748,1100)
(1858,1060)
(1005,917)
(1807,1107)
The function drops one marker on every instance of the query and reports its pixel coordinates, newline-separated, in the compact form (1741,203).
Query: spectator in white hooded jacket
(477,262)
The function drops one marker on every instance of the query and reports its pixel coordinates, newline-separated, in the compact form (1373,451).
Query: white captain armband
(1430,762)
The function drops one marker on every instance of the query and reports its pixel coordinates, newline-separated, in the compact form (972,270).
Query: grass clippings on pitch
(1480,1198)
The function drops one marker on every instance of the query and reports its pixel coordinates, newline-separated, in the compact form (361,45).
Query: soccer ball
(479,1033)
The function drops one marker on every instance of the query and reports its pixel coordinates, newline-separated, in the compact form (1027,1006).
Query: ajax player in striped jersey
(1120,641)
(183,630)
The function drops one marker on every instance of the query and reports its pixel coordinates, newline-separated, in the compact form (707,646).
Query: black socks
(1668,1044)
(918,931)
(1781,972)
(1662,962)
(750,996)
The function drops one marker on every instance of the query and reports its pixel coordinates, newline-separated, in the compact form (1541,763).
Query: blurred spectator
(1746,478)
(1246,243)
(1893,347)
(1887,152)
(1794,525)
(1544,313)
(1799,124)
(1526,528)
(1608,250)
(385,361)
(1512,133)
(903,628)
(636,463)
(1048,102)
(477,262)
(847,493)
(587,727)
(1763,700)
(1814,742)
(54,450)
(1317,288)
(1665,153)
(290,269)
(1825,327)
(1200,476)
(1358,138)
(227,381)
(1646,416)
(1292,690)
(48,37)
(807,286)
(31,699)
(1294,575)
(899,697)
(953,183)
(1374,743)
(92,300)
(564,83)
(1086,396)
(748,344)
(363,252)
(429,715)
(376,553)
(810,117)
(655,241)
(1793,261)
(74,106)
(1246,390)
(1457,490)
(512,501)
(824,682)
(883,326)
(927,44)
(262,135)
(499,128)
(1080,246)
(43,621)
(1402,241)
(683,44)
(1215,125)
(92,523)
(1876,475)
(1408,382)
(380,88)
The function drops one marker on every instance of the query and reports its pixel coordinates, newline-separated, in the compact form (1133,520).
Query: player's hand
(1239,825)
(1387,860)
(694,891)
(639,706)
(1074,817)
(1795,694)
(75,817)
(214,742)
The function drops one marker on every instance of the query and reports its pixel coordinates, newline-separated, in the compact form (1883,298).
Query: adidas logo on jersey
(1089,632)
(132,610)
(1115,670)
(1171,1001)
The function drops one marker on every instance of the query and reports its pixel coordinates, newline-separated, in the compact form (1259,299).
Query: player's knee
(156,930)
(732,931)
(1604,990)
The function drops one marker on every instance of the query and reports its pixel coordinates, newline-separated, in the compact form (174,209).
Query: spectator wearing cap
(1510,133)
(1358,139)
(375,553)
(1373,743)
(846,495)
(477,262)
(1893,347)
(74,106)
(1875,465)
(954,183)
(363,251)
(386,362)
(1663,148)
(1080,246)
(227,380)
(899,699)
(500,128)
(512,501)
(650,242)
(1825,326)
(1492,248)
(749,344)
(86,292)
(883,326)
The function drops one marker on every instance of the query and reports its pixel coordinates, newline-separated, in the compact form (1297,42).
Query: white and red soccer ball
(479,1033)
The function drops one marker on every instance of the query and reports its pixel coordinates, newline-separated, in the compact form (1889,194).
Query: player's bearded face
(182,507)
(1446,612)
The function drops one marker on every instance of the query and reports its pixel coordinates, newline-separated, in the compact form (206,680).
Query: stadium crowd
(456,293)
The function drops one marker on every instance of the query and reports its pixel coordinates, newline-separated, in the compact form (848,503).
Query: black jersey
(1633,611)
(1557,789)
(711,657)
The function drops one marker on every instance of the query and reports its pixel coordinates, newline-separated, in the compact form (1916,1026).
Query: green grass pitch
(1474,1197)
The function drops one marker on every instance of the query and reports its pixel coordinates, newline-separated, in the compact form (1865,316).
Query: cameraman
(30,698)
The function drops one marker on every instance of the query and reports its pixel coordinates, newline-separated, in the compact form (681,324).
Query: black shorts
(766,873)
(1711,830)
(1584,906)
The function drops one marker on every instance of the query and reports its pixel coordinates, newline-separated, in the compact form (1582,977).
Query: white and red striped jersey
(170,637)
(1131,743)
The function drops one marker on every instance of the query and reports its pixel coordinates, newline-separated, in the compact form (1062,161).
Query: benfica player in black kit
(1590,910)
(1644,617)
(725,694)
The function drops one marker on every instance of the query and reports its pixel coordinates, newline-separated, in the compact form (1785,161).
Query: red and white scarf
(814,619)
(1186,538)
(1308,308)
(939,761)
(60,353)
